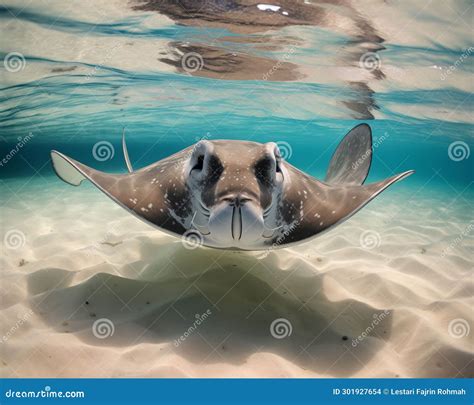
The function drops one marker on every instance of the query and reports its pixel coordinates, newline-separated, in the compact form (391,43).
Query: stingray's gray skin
(238,194)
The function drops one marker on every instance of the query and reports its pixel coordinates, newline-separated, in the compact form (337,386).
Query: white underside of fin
(65,170)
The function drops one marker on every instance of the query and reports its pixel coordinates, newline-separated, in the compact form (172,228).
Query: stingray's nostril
(236,201)
(229,200)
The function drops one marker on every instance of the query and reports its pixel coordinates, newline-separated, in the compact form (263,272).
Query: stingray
(239,194)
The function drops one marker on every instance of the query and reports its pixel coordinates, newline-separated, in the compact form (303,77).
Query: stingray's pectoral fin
(339,203)
(121,188)
(353,198)
(74,173)
(66,169)
(370,191)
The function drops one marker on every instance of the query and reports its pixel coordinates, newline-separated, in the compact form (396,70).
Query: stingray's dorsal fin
(350,163)
(125,153)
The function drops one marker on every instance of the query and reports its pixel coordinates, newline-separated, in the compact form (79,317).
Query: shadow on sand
(242,295)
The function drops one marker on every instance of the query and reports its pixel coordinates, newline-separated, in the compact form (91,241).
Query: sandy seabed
(87,290)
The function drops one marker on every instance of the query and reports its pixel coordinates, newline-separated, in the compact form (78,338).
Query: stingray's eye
(265,170)
(271,167)
(214,169)
(204,166)
(199,159)
(199,163)
(278,160)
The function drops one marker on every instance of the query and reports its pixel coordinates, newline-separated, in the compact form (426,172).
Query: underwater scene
(281,247)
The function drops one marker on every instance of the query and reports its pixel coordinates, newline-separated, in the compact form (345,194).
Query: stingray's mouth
(236,227)
(234,221)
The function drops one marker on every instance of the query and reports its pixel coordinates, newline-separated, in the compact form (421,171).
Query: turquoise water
(74,73)
(85,73)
